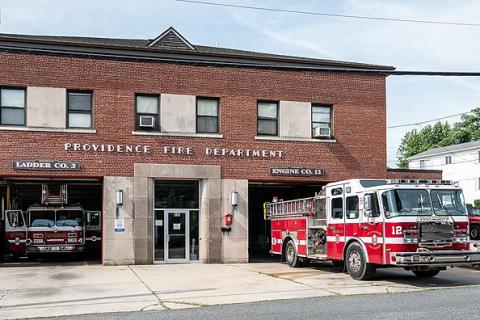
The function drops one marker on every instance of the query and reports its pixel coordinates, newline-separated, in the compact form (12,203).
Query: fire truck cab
(364,224)
(44,229)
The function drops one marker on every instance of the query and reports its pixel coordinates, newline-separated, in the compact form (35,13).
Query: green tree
(417,141)
(439,135)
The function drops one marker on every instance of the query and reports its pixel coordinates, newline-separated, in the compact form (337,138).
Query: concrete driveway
(73,288)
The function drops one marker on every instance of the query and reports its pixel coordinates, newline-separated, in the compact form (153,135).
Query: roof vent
(171,39)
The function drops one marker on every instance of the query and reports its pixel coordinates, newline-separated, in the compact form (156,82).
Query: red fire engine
(420,225)
(51,227)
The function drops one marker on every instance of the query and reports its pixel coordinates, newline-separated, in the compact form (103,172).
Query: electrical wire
(427,121)
(348,16)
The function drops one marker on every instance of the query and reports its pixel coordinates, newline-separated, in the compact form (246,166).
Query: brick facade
(359,117)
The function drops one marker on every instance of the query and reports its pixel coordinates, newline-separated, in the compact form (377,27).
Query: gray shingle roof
(142,44)
(451,148)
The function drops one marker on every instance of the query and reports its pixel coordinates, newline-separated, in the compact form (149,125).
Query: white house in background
(460,162)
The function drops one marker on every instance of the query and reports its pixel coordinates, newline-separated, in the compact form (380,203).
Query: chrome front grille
(436,233)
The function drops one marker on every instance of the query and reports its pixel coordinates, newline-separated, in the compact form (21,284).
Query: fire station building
(164,138)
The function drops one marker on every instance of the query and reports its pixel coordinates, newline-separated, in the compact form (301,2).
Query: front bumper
(445,258)
(55,249)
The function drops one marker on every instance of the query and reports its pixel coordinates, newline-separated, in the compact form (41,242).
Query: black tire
(427,273)
(475,232)
(356,264)
(291,255)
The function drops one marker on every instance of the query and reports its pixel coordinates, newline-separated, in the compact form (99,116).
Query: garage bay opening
(258,228)
(48,220)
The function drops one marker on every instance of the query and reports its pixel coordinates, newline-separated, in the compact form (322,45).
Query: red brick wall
(414,174)
(358,99)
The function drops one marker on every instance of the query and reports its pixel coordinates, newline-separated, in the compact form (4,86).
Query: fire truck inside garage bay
(46,218)
(419,225)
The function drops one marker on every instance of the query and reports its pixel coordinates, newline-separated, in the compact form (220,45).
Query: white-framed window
(267,118)
(448,160)
(79,109)
(478,157)
(321,118)
(12,106)
(207,115)
(147,112)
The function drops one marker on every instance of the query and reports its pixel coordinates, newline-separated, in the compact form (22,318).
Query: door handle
(332,227)
(364,227)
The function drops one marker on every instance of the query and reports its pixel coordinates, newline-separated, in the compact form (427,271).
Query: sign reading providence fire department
(45,165)
(297,172)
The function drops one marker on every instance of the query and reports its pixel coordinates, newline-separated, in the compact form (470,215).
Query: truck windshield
(42,218)
(406,202)
(69,218)
(448,202)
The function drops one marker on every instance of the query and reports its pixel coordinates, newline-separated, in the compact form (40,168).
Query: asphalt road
(458,303)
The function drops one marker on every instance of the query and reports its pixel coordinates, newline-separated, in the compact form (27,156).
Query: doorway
(176,220)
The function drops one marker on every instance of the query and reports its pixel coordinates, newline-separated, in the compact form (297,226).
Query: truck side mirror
(367,204)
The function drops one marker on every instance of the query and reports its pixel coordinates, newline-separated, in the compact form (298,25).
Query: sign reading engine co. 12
(297,172)
(45,165)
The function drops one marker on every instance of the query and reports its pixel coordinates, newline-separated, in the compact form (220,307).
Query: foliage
(476,203)
(439,135)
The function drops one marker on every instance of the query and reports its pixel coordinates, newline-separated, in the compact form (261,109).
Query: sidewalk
(42,291)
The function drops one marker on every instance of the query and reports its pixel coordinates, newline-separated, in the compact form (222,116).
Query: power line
(427,121)
(348,16)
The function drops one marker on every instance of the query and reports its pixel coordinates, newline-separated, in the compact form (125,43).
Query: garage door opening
(50,220)
(258,228)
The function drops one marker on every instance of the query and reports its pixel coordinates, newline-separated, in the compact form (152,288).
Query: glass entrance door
(176,235)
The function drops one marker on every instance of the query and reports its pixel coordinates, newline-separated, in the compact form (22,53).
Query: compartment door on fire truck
(336,226)
(371,228)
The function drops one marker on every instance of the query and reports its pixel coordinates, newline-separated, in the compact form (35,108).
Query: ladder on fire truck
(59,198)
(305,207)
(297,207)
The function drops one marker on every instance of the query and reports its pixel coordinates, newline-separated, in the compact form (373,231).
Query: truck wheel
(474,232)
(291,255)
(426,273)
(357,266)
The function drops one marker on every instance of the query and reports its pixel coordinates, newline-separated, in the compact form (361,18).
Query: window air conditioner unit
(147,121)
(322,133)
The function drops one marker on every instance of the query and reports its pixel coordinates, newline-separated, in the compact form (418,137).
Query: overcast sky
(407,46)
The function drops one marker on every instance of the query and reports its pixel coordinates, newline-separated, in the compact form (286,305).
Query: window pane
(13,116)
(207,125)
(79,101)
(13,98)
(207,107)
(321,117)
(321,109)
(337,208)
(79,120)
(267,109)
(352,207)
(268,127)
(146,104)
(172,194)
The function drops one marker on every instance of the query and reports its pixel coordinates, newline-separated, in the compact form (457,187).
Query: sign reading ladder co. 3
(45,165)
